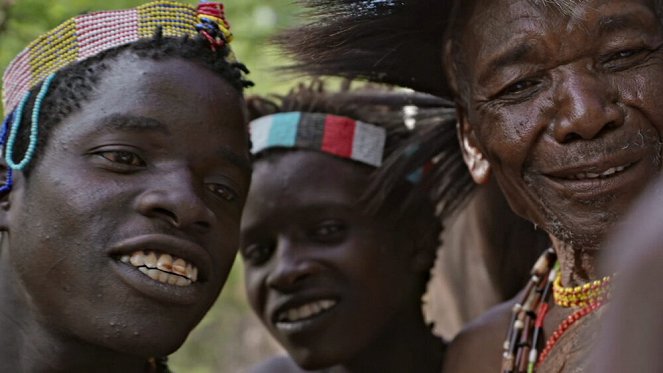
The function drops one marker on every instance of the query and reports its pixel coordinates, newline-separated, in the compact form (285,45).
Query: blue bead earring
(4,131)
(34,129)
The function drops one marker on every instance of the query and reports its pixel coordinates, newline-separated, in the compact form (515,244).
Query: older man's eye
(518,87)
(123,157)
(624,59)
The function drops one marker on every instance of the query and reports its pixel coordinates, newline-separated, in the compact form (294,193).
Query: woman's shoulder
(478,347)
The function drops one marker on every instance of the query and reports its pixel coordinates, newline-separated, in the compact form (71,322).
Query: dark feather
(392,41)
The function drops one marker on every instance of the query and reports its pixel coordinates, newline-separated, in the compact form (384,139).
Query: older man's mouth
(612,171)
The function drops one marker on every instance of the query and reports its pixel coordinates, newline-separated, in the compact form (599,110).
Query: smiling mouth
(613,171)
(163,267)
(296,315)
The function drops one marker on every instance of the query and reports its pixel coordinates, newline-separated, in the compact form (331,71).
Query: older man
(558,101)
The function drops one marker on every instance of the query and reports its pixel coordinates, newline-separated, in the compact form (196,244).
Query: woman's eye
(123,157)
(223,191)
(257,254)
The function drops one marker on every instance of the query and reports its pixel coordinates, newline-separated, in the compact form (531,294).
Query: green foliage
(229,339)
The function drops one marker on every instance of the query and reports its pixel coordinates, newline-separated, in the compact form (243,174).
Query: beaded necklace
(520,350)
(520,346)
(583,295)
(565,326)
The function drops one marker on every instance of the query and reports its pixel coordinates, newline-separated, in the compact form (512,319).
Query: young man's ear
(474,159)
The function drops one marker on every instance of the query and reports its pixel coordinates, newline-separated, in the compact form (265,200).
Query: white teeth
(163,277)
(165,262)
(138,259)
(153,273)
(293,314)
(305,311)
(181,281)
(606,173)
(179,267)
(163,267)
(151,260)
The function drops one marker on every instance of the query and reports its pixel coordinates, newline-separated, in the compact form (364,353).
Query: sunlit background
(229,339)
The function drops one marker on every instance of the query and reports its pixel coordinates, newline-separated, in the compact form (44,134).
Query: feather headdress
(390,41)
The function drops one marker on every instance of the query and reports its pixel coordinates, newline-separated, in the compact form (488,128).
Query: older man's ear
(474,158)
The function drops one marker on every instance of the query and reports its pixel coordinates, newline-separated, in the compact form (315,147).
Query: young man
(335,276)
(127,169)
(558,100)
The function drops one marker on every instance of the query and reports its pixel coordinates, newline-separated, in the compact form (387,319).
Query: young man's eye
(123,157)
(329,230)
(222,191)
(257,254)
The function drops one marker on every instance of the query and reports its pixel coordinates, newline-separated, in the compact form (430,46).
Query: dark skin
(551,102)
(305,240)
(134,169)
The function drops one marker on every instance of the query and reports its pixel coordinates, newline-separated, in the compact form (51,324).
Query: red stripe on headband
(339,135)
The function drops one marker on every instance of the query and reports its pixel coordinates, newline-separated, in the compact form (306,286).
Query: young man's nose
(176,199)
(587,107)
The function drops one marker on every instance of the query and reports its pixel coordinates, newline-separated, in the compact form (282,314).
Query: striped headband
(87,35)
(339,136)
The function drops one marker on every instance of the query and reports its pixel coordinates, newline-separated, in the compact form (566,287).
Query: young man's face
(153,168)
(565,109)
(327,280)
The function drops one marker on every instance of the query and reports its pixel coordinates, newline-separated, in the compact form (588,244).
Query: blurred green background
(229,339)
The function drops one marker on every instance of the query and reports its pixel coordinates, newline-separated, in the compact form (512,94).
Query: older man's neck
(579,265)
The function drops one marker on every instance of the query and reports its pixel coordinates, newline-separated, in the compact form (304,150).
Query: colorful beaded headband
(339,136)
(87,35)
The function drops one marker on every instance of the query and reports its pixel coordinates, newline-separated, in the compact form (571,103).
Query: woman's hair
(73,85)
(431,147)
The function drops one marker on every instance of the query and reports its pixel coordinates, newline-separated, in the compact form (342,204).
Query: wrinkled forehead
(472,12)
(496,25)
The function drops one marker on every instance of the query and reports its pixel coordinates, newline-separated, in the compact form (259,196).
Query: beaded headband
(339,136)
(89,34)
(85,36)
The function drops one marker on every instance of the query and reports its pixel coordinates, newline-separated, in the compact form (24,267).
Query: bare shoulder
(478,347)
(277,364)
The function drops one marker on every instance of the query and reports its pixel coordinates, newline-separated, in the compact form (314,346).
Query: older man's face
(567,109)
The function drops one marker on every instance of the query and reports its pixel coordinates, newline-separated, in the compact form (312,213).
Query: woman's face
(326,279)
